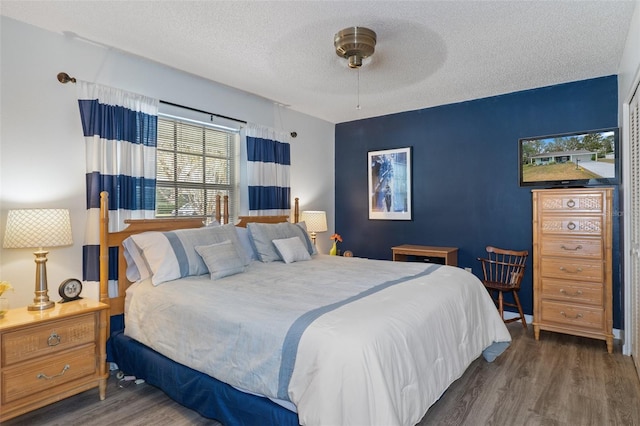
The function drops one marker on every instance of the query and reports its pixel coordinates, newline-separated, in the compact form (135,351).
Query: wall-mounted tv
(584,158)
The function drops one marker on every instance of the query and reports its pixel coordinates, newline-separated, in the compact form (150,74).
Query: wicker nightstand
(52,354)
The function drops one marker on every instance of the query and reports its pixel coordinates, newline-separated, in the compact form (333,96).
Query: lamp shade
(38,228)
(316,221)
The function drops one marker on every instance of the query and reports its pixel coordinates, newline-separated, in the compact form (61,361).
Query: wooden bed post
(222,210)
(104,284)
(104,247)
(226,209)
(296,210)
(218,209)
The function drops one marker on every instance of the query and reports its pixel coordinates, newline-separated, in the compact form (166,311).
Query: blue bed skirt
(197,391)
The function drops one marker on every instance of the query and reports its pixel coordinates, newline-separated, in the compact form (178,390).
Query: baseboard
(617,334)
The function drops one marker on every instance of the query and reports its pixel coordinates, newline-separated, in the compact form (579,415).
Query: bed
(311,340)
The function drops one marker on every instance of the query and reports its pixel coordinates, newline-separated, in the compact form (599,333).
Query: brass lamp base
(41,306)
(41,301)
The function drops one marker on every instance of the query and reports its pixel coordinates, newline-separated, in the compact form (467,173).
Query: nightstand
(52,354)
(414,253)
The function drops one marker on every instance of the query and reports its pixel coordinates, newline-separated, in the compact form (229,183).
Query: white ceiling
(428,53)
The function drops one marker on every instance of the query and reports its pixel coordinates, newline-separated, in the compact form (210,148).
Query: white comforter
(381,359)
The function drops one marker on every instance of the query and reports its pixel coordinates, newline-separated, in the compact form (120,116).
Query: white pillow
(292,249)
(172,255)
(137,268)
(222,259)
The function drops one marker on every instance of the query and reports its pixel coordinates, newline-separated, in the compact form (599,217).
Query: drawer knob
(53,340)
(44,376)
(571,226)
(577,271)
(564,314)
(576,248)
(577,293)
(571,204)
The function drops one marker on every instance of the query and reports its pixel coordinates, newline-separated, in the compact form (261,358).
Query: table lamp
(316,221)
(38,228)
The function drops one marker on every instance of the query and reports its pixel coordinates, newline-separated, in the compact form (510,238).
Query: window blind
(195,162)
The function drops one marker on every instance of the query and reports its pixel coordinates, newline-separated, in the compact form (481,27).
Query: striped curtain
(268,164)
(120,132)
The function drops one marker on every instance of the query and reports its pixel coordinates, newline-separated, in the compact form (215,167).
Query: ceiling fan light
(355,44)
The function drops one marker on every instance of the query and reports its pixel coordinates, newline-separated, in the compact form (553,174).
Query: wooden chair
(503,271)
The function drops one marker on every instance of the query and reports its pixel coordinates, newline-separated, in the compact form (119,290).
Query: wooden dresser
(52,354)
(572,262)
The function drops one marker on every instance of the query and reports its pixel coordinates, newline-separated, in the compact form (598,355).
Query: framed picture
(390,184)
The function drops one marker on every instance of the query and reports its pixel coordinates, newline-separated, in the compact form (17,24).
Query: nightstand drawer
(572,269)
(52,337)
(51,372)
(574,315)
(578,247)
(571,291)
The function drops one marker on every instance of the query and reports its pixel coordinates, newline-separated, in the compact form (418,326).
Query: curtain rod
(64,78)
(203,112)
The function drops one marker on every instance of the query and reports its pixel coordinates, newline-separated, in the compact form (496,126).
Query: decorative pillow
(245,242)
(222,259)
(292,249)
(262,235)
(172,255)
(137,268)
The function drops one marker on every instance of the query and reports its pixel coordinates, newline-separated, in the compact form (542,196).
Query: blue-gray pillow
(263,234)
(222,259)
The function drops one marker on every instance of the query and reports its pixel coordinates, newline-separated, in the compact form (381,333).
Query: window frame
(232,159)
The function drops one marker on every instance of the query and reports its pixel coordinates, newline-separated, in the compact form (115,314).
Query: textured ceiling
(428,53)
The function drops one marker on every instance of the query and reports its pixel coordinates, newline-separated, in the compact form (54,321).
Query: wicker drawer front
(584,247)
(572,269)
(571,202)
(48,338)
(574,315)
(571,226)
(52,372)
(569,291)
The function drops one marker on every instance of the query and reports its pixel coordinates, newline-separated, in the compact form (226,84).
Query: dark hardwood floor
(560,380)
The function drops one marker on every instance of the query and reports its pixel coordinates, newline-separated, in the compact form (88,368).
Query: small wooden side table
(410,252)
(51,354)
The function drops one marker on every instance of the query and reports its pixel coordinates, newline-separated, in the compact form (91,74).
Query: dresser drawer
(569,291)
(572,269)
(49,373)
(575,315)
(48,338)
(576,247)
(571,226)
(558,202)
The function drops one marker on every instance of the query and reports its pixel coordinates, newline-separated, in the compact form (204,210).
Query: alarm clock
(70,290)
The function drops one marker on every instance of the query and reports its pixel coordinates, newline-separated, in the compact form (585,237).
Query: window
(195,162)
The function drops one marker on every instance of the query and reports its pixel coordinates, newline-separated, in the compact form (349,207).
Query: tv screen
(571,159)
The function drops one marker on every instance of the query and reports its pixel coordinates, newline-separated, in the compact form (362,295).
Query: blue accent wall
(465,173)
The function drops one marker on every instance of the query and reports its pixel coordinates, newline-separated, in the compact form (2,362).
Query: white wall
(630,63)
(41,145)
(628,77)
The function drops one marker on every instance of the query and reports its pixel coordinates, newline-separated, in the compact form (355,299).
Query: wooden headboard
(136,226)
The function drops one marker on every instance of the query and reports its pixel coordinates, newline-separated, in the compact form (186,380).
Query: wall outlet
(467,269)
